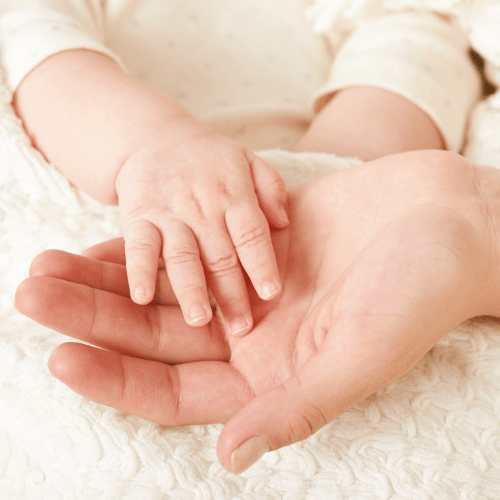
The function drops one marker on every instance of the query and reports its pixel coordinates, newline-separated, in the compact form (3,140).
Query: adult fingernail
(197,314)
(140,294)
(269,290)
(240,326)
(248,453)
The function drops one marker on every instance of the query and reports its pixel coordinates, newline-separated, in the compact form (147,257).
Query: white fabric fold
(418,56)
(32,34)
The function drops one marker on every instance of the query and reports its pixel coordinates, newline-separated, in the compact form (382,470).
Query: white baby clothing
(258,70)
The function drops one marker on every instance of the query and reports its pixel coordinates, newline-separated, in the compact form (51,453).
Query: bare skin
(368,123)
(378,263)
(171,175)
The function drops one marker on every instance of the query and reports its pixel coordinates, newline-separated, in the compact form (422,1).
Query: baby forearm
(86,116)
(368,123)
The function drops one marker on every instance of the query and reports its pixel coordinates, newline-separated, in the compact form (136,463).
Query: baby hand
(203,203)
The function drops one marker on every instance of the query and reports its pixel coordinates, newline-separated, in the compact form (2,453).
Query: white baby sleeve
(483,24)
(418,55)
(31,31)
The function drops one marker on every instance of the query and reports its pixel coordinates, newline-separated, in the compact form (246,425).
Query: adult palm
(378,263)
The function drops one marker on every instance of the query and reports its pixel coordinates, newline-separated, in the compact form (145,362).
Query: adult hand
(377,264)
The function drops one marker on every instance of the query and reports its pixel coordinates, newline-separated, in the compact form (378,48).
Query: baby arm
(184,192)
(399,82)
(86,116)
(368,123)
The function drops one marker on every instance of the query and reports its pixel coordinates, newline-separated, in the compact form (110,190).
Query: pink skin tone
(329,340)
(198,199)
(202,201)
(368,123)
(370,283)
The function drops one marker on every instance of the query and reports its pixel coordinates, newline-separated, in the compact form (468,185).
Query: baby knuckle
(186,204)
(239,159)
(251,237)
(135,214)
(223,264)
(138,246)
(181,255)
(223,190)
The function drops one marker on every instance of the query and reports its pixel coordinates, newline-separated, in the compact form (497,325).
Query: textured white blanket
(433,435)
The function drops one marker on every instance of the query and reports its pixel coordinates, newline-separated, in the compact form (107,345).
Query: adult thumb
(324,387)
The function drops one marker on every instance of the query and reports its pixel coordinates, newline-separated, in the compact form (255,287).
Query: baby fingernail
(269,290)
(197,314)
(248,453)
(240,326)
(140,294)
